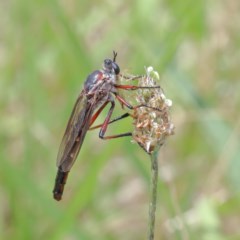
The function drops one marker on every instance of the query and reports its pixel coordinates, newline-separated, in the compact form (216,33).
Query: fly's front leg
(128,105)
(132,87)
(131,78)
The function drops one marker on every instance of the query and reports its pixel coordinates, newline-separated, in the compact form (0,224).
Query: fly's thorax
(99,79)
(92,80)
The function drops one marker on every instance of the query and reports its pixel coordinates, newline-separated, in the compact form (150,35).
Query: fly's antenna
(114,56)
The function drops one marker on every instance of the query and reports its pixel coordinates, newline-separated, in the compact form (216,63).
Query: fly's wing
(75,132)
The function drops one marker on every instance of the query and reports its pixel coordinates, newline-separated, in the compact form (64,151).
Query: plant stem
(153,195)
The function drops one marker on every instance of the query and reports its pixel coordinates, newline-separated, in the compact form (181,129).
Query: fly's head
(103,80)
(110,66)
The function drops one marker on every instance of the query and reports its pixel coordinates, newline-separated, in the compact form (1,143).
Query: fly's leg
(132,87)
(128,105)
(106,123)
(131,78)
(94,117)
(112,121)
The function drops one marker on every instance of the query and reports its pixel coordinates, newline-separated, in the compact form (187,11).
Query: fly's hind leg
(112,121)
(107,122)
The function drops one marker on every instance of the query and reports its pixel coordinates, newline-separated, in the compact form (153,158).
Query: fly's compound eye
(115,68)
(108,64)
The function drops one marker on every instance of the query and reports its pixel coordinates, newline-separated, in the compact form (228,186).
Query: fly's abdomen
(60,181)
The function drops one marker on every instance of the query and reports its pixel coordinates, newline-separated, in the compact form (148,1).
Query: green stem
(153,195)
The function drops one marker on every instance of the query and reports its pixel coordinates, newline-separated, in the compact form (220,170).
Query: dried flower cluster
(152,124)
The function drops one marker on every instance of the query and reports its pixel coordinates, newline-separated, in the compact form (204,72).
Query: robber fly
(99,89)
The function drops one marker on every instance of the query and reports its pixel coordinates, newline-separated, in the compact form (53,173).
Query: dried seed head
(152,124)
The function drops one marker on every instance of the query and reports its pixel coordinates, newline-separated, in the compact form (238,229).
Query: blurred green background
(47,48)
